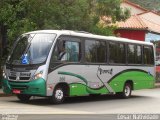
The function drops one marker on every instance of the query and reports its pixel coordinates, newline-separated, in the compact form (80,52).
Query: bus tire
(127,90)
(23,98)
(58,95)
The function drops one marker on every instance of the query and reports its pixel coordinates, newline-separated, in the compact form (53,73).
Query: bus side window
(54,57)
(148,55)
(131,54)
(72,50)
(138,57)
(95,51)
(66,51)
(63,51)
(90,51)
(117,53)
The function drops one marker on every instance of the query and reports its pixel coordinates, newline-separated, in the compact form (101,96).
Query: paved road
(143,101)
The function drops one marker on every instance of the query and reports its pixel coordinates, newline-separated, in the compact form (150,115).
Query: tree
(110,9)
(19,16)
(27,15)
(148,4)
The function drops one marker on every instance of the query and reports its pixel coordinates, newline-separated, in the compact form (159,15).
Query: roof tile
(147,21)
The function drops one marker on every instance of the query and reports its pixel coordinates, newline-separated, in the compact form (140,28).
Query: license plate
(16,91)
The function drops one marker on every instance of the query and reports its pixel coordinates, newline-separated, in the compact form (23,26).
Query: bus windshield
(31,49)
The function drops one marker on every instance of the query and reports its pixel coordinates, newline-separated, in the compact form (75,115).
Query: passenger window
(55,54)
(90,51)
(138,54)
(71,52)
(117,53)
(131,54)
(148,55)
(134,54)
(95,51)
(101,51)
(66,50)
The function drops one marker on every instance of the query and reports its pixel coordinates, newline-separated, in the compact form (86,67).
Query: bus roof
(90,35)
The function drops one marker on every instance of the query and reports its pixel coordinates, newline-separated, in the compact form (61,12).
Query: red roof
(134,22)
(152,21)
(145,21)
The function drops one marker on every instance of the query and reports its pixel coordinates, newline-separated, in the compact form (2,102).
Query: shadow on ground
(42,101)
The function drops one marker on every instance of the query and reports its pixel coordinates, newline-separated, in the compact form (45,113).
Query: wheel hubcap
(59,94)
(127,90)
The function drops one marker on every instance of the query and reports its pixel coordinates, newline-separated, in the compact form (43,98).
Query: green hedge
(1,73)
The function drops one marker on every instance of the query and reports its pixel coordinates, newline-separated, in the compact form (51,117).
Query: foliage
(25,15)
(20,16)
(111,8)
(148,4)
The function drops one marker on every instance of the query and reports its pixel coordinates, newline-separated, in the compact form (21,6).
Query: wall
(132,34)
(134,10)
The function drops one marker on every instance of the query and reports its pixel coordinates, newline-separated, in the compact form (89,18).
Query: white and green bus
(62,63)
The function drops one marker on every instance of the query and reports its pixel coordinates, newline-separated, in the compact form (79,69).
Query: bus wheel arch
(61,90)
(131,83)
(65,86)
(127,90)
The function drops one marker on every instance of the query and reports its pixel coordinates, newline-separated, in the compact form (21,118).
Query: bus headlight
(4,75)
(38,75)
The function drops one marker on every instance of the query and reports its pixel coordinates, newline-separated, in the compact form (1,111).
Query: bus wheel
(58,95)
(23,98)
(127,90)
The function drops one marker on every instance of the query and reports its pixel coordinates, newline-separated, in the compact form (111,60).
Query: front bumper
(35,87)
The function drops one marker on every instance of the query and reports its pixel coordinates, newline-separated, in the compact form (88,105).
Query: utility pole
(1,42)
(1,55)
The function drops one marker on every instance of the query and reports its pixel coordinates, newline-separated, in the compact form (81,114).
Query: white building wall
(134,10)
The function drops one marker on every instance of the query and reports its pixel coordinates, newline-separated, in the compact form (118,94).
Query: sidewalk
(3,94)
(1,91)
(157,85)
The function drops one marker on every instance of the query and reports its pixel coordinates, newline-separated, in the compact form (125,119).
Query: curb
(2,94)
(5,95)
(157,85)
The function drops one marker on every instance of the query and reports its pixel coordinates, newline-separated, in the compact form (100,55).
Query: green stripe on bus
(89,90)
(140,79)
(35,87)
(81,89)
(75,75)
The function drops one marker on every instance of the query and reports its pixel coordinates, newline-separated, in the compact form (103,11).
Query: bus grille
(12,78)
(24,78)
(20,78)
(17,76)
(19,87)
